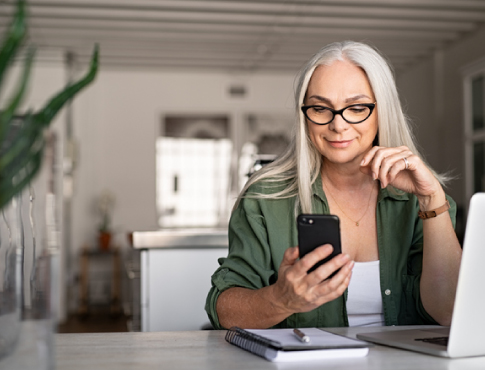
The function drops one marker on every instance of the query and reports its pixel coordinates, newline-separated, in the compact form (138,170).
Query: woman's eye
(319,109)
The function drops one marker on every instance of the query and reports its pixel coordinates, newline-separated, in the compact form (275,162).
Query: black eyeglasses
(321,115)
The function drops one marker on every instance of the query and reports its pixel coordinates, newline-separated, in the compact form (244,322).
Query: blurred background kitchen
(191,96)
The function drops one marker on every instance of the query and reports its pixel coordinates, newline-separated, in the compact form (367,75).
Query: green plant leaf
(11,186)
(20,144)
(15,34)
(7,114)
(22,139)
(45,115)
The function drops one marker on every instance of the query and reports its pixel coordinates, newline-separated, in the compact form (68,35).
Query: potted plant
(29,271)
(21,146)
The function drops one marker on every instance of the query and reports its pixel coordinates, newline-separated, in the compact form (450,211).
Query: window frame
(471,136)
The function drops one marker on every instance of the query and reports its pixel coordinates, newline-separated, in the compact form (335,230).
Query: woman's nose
(338,124)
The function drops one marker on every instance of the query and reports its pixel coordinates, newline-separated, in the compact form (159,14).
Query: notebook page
(318,338)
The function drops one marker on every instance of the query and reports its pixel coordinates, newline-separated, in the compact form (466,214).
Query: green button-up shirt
(260,230)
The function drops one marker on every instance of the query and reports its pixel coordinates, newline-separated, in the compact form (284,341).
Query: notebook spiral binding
(251,342)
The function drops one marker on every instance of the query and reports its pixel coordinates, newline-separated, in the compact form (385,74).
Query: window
(194,172)
(474,92)
(204,160)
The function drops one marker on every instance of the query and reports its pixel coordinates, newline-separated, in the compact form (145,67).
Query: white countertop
(208,350)
(181,238)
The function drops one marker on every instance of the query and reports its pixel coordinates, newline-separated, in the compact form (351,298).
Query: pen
(301,336)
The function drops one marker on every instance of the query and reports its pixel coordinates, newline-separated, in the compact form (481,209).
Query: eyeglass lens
(353,114)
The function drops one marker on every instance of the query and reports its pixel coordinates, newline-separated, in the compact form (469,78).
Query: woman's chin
(343,158)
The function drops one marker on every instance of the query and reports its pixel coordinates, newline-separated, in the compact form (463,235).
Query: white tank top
(364,300)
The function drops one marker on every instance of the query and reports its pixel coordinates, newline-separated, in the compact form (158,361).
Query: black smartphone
(316,230)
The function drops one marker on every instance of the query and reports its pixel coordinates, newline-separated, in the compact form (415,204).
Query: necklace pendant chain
(366,209)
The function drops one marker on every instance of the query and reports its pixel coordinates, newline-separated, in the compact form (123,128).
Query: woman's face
(337,86)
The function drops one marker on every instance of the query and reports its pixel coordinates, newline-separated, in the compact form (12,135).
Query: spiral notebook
(282,345)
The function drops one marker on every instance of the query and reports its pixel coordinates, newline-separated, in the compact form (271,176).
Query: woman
(353,156)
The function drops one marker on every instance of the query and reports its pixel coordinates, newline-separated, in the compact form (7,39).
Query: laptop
(465,335)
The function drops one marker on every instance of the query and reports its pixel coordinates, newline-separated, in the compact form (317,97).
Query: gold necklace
(366,208)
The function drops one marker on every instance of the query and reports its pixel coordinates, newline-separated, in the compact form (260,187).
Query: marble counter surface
(207,350)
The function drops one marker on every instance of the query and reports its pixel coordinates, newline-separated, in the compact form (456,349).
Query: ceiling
(245,35)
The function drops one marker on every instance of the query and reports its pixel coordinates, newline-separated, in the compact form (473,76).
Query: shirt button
(387,292)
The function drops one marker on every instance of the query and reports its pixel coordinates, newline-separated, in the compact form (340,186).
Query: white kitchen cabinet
(176,267)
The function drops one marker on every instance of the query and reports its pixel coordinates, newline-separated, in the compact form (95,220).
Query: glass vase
(29,275)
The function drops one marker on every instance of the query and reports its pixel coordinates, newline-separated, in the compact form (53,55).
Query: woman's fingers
(403,162)
(385,158)
(315,256)
(290,256)
(301,291)
(334,287)
(391,166)
(369,156)
(323,289)
(402,169)
(297,273)
(384,164)
(327,269)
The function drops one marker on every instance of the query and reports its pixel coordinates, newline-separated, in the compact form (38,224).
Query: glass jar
(29,275)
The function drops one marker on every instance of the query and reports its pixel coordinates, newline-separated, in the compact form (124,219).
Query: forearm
(296,290)
(248,308)
(441,262)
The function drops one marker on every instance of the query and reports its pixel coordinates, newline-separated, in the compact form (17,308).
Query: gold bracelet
(434,212)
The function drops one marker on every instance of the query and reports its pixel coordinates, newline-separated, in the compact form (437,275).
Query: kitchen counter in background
(188,238)
(175,271)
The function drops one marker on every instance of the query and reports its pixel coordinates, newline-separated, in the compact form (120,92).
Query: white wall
(117,122)
(440,124)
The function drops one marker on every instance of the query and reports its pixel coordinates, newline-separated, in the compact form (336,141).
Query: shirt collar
(393,193)
(383,193)
(317,189)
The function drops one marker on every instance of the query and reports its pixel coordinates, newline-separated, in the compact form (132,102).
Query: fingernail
(374,176)
(362,163)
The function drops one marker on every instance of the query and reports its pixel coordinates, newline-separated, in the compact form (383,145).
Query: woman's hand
(299,291)
(294,291)
(402,169)
(441,249)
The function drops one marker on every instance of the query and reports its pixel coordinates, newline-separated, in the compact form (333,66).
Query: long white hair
(297,168)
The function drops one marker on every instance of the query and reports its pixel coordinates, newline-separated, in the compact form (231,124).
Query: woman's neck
(344,177)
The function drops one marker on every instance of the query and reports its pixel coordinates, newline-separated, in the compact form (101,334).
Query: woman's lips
(340,143)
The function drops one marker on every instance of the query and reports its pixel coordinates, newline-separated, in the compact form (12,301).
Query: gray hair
(298,167)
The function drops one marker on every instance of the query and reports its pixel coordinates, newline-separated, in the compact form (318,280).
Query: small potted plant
(106,203)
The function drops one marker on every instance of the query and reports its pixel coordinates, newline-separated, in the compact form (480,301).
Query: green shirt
(260,230)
